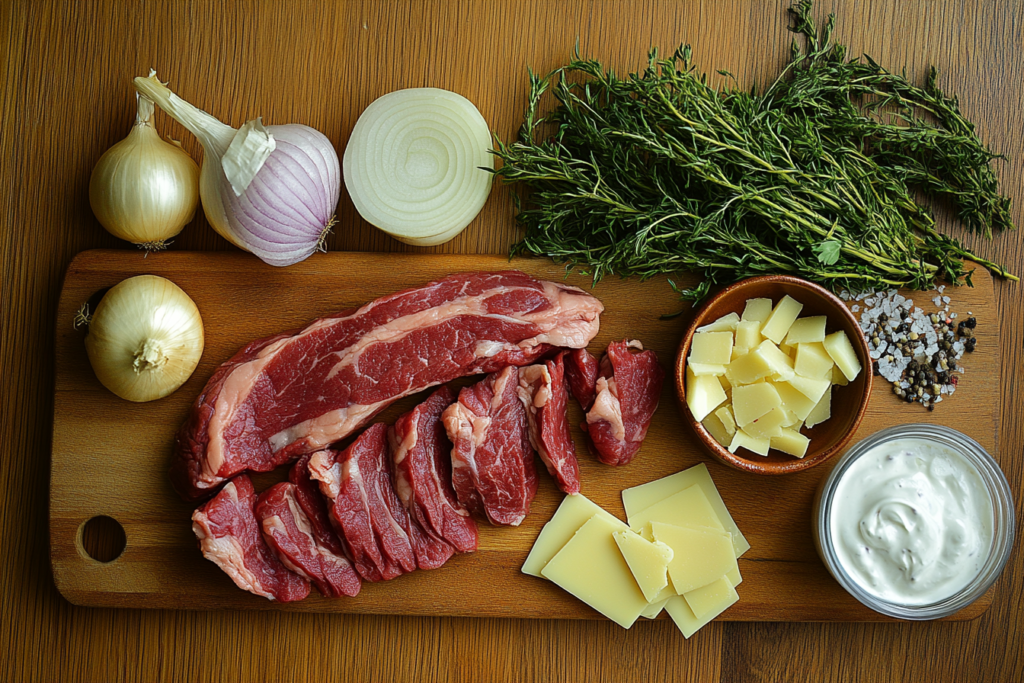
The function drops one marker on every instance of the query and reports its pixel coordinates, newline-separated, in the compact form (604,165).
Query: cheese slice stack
(678,552)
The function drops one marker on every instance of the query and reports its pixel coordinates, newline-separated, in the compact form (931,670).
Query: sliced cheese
(793,400)
(747,368)
(685,508)
(810,387)
(684,618)
(572,514)
(822,410)
(754,400)
(703,394)
(768,425)
(838,378)
(591,568)
(752,443)
(654,609)
(728,421)
(782,318)
(712,348)
(748,334)
(700,554)
(647,560)
(839,347)
(726,322)
(640,498)
(713,598)
(781,365)
(792,442)
(701,369)
(713,423)
(812,360)
(810,329)
(757,310)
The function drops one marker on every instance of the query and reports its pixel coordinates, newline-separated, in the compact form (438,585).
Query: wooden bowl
(848,403)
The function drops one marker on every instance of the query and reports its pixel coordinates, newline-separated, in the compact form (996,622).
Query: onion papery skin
(283,214)
(414,165)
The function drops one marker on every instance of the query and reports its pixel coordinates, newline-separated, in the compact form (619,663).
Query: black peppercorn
(971,322)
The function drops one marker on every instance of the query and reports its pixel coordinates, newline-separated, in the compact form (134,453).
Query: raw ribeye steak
(492,462)
(289,533)
(581,372)
(421,454)
(628,389)
(364,506)
(296,393)
(546,398)
(229,536)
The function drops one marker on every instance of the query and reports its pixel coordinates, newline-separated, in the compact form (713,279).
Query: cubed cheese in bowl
(796,383)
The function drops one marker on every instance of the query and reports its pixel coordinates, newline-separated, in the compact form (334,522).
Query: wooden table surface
(66,98)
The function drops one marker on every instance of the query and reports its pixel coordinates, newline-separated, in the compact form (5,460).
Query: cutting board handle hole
(102,538)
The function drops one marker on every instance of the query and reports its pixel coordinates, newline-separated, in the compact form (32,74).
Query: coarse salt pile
(915,351)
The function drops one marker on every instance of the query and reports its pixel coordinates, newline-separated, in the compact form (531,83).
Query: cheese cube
(647,560)
(748,368)
(700,555)
(743,440)
(701,369)
(712,348)
(714,597)
(822,410)
(716,429)
(725,323)
(572,513)
(703,394)
(738,351)
(788,350)
(780,363)
(748,334)
(781,319)
(838,378)
(591,568)
(793,400)
(725,415)
(803,330)
(757,310)
(791,442)
(688,507)
(812,360)
(754,400)
(684,618)
(839,347)
(810,387)
(654,609)
(791,418)
(768,425)
(639,498)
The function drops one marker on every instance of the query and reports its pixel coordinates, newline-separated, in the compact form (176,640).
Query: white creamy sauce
(911,522)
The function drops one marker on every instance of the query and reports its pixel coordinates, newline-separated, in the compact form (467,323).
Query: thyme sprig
(661,172)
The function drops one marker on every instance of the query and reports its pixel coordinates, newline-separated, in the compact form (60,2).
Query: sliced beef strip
(581,370)
(543,391)
(289,533)
(421,451)
(229,536)
(628,390)
(492,462)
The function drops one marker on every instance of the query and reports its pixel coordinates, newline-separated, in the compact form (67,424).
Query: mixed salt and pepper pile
(919,353)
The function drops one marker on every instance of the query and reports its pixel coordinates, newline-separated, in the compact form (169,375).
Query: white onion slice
(413,164)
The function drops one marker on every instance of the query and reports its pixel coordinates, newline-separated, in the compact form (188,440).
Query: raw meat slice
(230,537)
(492,463)
(289,534)
(628,390)
(314,506)
(364,507)
(543,392)
(581,371)
(296,393)
(423,474)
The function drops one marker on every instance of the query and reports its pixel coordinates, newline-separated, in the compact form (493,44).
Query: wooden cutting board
(110,456)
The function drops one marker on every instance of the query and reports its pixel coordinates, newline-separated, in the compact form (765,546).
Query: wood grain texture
(119,452)
(65,98)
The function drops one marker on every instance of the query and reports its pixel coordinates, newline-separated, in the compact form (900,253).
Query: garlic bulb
(145,338)
(144,189)
(270,190)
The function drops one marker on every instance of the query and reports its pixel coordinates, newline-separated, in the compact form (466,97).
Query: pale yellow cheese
(838,378)
(839,347)
(713,598)
(738,352)
(747,368)
(701,369)
(725,323)
(687,507)
(716,429)
(781,319)
(712,348)
(654,609)
(748,334)
(640,498)
(788,350)
(757,310)
(572,513)
(754,400)
(810,387)
(703,394)
(792,442)
(813,361)
(728,421)
(647,560)
(822,410)
(683,616)
(726,384)
(768,425)
(701,555)
(753,444)
(803,330)
(793,400)
(591,568)
(781,365)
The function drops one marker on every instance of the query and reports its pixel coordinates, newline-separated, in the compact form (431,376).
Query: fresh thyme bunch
(659,172)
